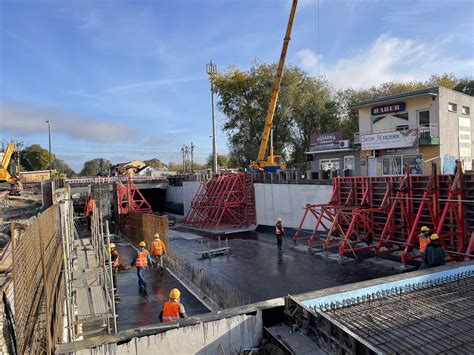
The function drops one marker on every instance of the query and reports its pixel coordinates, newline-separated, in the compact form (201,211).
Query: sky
(127,80)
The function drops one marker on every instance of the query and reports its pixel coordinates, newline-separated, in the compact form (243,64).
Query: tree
(155,163)
(244,99)
(34,157)
(222,161)
(466,86)
(96,167)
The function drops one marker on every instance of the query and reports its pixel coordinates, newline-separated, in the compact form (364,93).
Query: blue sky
(126,79)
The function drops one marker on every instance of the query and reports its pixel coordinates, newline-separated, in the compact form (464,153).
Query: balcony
(428,135)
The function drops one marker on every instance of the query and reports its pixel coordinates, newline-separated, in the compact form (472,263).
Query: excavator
(274,162)
(8,169)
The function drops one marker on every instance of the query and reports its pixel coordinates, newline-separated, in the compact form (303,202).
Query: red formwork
(224,201)
(130,199)
(384,214)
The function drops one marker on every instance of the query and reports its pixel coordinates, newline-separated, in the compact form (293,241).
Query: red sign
(325,138)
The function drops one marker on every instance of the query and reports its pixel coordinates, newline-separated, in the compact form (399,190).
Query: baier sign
(388,140)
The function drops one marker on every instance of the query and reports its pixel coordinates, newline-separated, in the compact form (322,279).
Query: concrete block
(340,259)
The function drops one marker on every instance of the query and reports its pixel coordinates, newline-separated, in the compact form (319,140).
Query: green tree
(155,163)
(244,99)
(96,167)
(466,86)
(222,161)
(34,157)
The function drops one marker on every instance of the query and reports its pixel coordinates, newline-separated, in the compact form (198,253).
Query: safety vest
(90,206)
(142,258)
(424,241)
(278,231)
(170,311)
(157,247)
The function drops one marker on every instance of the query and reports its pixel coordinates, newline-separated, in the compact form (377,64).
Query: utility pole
(192,157)
(211,69)
(49,148)
(182,153)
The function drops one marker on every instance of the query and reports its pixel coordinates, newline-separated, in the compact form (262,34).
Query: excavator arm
(7,156)
(274,98)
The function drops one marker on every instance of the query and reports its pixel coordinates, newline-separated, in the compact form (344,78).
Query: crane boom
(274,98)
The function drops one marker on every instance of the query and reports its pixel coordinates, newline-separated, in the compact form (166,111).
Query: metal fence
(38,284)
(223,294)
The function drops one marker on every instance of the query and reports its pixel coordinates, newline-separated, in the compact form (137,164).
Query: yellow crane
(274,162)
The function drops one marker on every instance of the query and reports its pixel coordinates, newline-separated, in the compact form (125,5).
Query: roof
(428,91)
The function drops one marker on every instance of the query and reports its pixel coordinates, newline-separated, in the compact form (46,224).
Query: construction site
(366,249)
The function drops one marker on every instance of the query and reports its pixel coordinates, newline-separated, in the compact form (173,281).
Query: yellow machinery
(5,162)
(272,161)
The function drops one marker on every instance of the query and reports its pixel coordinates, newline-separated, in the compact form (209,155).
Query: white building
(416,128)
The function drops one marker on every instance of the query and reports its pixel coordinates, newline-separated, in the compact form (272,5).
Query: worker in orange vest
(89,210)
(173,309)
(279,232)
(158,250)
(423,239)
(115,258)
(141,260)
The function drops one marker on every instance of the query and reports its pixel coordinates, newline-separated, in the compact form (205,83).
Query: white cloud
(387,58)
(25,119)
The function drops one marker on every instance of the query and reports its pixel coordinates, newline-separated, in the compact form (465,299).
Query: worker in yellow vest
(141,260)
(279,232)
(173,309)
(158,250)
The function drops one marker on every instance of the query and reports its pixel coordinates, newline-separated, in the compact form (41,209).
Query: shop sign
(325,138)
(380,110)
(388,140)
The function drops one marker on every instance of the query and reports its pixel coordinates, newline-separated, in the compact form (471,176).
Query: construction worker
(279,232)
(89,210)
(141,260)
(158,250)
(424,239)
(172,309)
(114,256)
(434,253)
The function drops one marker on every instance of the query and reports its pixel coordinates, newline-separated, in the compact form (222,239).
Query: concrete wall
(174,194)
(288,201)
(224,336)
(189,191)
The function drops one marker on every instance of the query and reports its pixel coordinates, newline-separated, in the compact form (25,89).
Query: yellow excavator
(274,162)
(5,159)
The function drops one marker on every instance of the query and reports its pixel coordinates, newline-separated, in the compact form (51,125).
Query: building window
(402,127)
(415,164)
(329,165)
(349,163)
(452,107)
(392,165)
(466,110)
(424,118)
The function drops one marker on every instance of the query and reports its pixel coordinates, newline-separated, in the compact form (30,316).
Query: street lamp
(49,148)
(211,70)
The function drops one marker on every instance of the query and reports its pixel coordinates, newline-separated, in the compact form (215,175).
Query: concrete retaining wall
(174,194)
(189,191)
(288,201)
(224,336)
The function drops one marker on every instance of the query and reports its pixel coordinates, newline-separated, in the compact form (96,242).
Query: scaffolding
(130,199)
(90,302)
(384,214)
(224,201)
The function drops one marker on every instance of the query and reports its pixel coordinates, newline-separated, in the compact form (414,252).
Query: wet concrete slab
(260,272)
(138,309)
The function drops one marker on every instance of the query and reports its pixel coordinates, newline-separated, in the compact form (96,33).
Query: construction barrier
(143,227)
(39,285)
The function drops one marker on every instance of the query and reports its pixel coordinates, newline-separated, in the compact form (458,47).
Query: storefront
(415,129)
(331,155)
